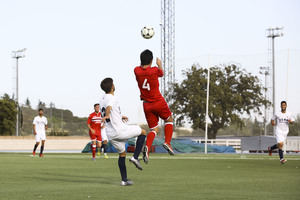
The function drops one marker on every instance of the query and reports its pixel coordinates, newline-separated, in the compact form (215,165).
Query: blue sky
(73,44)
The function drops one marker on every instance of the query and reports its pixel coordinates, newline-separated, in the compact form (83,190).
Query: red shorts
(96,137)
(154,111)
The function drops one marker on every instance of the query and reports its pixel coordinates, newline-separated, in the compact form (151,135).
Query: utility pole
(266,72)
(17,55)
(272,34)
(206,113)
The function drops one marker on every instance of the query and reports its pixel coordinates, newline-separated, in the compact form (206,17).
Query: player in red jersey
(154,104)
(94,123)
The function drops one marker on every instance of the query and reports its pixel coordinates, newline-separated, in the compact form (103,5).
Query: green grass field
(184,176)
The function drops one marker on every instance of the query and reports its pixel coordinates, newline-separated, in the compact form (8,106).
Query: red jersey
(94,121)
(148,83)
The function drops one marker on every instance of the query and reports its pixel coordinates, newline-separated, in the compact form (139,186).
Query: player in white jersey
(118,132)
(40,125)
(281,122)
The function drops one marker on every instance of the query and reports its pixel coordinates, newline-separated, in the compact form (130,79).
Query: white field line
(173,157)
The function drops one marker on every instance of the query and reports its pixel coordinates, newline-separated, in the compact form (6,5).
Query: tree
(233,92)
(8,112)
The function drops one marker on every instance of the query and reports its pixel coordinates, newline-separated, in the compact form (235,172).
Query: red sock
(150,137)
(94,150)
(168,132)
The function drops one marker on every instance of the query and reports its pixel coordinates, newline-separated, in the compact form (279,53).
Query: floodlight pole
(17,55)
(265,71)
(273,33)
(206,114)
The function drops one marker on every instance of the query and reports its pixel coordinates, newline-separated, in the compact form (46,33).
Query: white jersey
(114,124)
(282,122)
(40,124)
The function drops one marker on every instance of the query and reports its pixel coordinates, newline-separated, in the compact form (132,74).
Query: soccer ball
(147,32)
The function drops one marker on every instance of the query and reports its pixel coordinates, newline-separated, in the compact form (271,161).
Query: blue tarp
(179,146)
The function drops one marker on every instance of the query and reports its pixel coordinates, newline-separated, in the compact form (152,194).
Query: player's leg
(152,120)
(43,138)
(104,148)
(120,147)
(280,152)
(166,115)
(98,144)
(168,130)
(139,144)
(35,146)
(271,148)
(94,146)
(280,137)
(104,142)
(42,148)
(123,171)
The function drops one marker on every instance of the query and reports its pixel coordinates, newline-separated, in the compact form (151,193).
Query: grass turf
(184,176)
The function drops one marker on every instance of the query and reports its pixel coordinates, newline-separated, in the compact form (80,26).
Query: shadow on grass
(73,178)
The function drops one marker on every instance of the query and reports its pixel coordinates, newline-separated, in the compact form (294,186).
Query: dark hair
(146,57)
(283,102)
(106,85)
(41,109)
(96,104)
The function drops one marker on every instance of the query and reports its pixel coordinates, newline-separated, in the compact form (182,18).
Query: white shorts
(103,134)
(281,137)
(121,137)
(40,136)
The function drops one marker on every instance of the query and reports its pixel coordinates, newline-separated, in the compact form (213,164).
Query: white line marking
(175,157)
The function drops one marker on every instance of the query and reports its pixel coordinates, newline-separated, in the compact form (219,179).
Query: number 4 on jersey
(146,85)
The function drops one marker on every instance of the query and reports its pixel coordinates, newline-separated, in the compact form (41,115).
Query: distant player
(103,148)
(281,122)
(94,123)
(154,104)
(40,125)
(119,132)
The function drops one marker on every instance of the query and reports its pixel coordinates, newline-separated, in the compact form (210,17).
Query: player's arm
(273,121)
(291,120)
(33,127)
(90,128)
(46,125)
(124,119)
(107,113)
(89,125)
(159,65)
